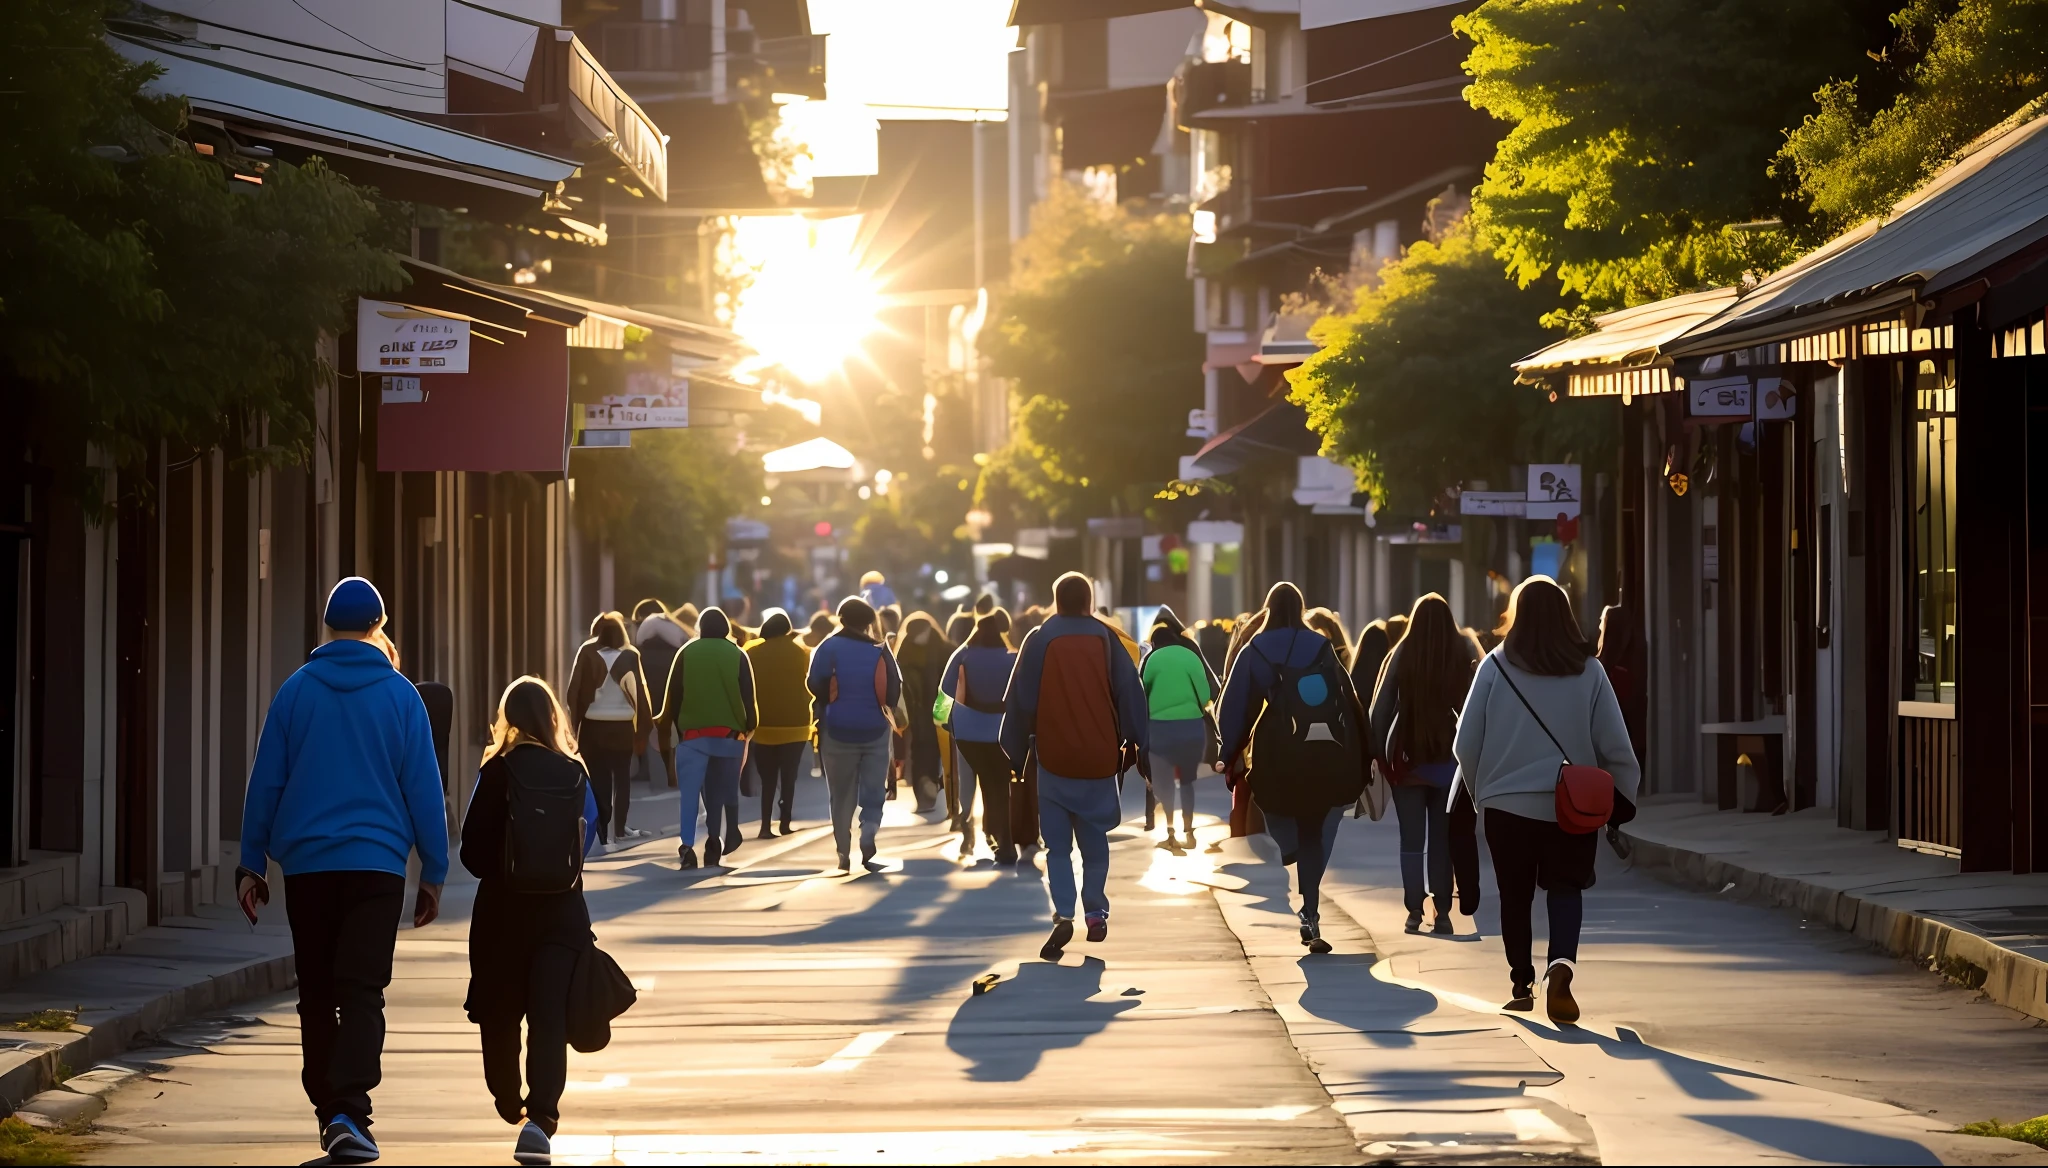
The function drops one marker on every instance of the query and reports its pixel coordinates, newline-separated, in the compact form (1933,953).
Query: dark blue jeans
(1424,812)
(1306,842)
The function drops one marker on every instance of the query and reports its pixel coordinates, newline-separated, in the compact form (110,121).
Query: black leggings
(547,1043)
(611,780)
(1535,853)
(776,763)
(991,769)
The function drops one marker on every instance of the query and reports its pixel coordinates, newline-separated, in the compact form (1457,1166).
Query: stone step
(65,933)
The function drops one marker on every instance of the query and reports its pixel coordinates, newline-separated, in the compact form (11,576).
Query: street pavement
(788,1015)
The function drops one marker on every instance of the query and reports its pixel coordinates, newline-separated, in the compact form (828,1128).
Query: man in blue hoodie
(344,788)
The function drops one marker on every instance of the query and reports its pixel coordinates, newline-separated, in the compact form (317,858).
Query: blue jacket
(987,670)
(345,778)
(856,716)
(1252,678)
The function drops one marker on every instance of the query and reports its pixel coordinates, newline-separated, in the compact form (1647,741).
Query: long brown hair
(1247,628)
(1432,668)
(528,711)
(1542,634)
(1331,626)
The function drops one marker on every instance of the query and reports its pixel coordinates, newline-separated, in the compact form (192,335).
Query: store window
(1931,435)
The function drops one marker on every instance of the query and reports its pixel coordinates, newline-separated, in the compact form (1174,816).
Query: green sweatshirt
(710,684)
(1176,683)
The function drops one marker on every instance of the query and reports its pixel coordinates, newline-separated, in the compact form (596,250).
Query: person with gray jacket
(1540,684)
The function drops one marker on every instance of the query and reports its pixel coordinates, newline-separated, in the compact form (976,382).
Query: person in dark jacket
(1306,839)
(610,712)
(523,945)
(780,662)
(344,788)
(921,653)
(658,638)
(857,685)
(1414,718)
(975,680)
(1076,710)
(710,708)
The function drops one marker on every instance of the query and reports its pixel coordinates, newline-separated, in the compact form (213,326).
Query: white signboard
(1215,531)
(1512,503)
(1776,399)
(397,338)
(1553,490)
(1718,397)
(403,391)
(660,404)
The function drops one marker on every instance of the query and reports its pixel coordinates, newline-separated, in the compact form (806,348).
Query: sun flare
(806,304)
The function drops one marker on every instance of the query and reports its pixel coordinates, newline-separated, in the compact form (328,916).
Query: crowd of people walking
(1028,727)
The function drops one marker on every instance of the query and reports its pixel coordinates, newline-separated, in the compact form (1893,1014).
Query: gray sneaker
(533,1146)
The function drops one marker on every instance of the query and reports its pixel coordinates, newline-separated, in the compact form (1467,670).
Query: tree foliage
(1412,386)
(145,293)
(662,505)
(1966,67)
(1642,132)
(1097,338)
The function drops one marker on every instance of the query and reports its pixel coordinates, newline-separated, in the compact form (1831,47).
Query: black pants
(777,765)
(611,781)
(1535,853)
(1465,848)
(344,926)
(991,769)
(547,1043)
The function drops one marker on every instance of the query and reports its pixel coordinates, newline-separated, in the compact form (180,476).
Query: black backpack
(1306,755)
(544,821)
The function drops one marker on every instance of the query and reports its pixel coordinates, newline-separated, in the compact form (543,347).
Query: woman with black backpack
(1545,753)
(1414,717)
(531,819)
(1290,702)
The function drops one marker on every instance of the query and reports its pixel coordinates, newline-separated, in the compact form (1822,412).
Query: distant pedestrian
(875,590)
(821,626)
(1367,656)
(531,820)
(1331,626)
(921,653)
(959,627)
(344,788)
(780,664)
(611,714)
(975,680)
(1536,703)
(710,706)
(1291,705)
(658,638)
(1178,690)
(1212,638)
(857,684)
(1245,817)
(1414,719)
(1076,712)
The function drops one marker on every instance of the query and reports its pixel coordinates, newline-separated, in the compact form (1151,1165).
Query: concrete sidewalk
(1983,930)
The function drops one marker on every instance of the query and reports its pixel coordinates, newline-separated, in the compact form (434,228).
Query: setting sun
(806,304)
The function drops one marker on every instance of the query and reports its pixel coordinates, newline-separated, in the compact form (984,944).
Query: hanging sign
(1718,397)
(652,402)
(1776,399)
(397,338)
(1553,490)
(1511,503)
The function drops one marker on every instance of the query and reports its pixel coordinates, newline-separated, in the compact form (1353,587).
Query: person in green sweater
(709,705)
(1178,690)
(780,662)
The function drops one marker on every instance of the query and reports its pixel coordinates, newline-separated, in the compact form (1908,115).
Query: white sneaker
(636,833)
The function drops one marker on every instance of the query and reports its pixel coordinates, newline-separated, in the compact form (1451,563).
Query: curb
(102,1035)
(2013,980)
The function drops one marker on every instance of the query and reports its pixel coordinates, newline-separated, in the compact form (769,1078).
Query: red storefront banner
(509,412)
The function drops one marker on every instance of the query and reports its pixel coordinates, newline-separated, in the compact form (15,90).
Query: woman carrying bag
(1414,718)
(1545,754)
(532,817)
(971,693)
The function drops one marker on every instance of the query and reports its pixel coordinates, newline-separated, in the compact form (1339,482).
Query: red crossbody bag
(1585,794)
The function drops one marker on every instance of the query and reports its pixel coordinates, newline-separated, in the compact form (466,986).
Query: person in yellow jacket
(781,662)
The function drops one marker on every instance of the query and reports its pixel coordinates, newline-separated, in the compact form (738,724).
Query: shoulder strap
(1501,668)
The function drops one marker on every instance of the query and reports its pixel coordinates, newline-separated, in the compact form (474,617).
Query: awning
(1280,431)
(701,340)
(1988,208)
(818,460)
(402,156)
(1624,352)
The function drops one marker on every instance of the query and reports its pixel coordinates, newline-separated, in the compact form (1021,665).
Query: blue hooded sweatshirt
(345,777)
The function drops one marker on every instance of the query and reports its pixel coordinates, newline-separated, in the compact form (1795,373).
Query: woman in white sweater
(1509,764)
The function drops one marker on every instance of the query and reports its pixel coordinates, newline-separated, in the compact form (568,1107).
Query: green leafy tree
(146,292)
(1412,386)
(1096,336)
(1642,133)
(1971,65)
(662,505)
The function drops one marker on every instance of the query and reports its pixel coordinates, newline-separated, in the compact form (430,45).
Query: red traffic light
(822,529)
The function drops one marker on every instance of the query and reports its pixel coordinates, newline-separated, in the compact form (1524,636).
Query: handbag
(1585,794)
(1372,802)
(1212,748)
(599,991)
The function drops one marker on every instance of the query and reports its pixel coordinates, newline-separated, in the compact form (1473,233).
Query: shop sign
(402,391)
(1117,527)
(1510,503)
(398,338)
(1776,399)
(1215,531)
(1718,397)
(1553,490)
(652,402)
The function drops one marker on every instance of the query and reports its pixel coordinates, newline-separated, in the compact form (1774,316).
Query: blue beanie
(354,606)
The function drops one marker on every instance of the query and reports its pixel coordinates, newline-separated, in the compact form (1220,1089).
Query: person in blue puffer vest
(344,789)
